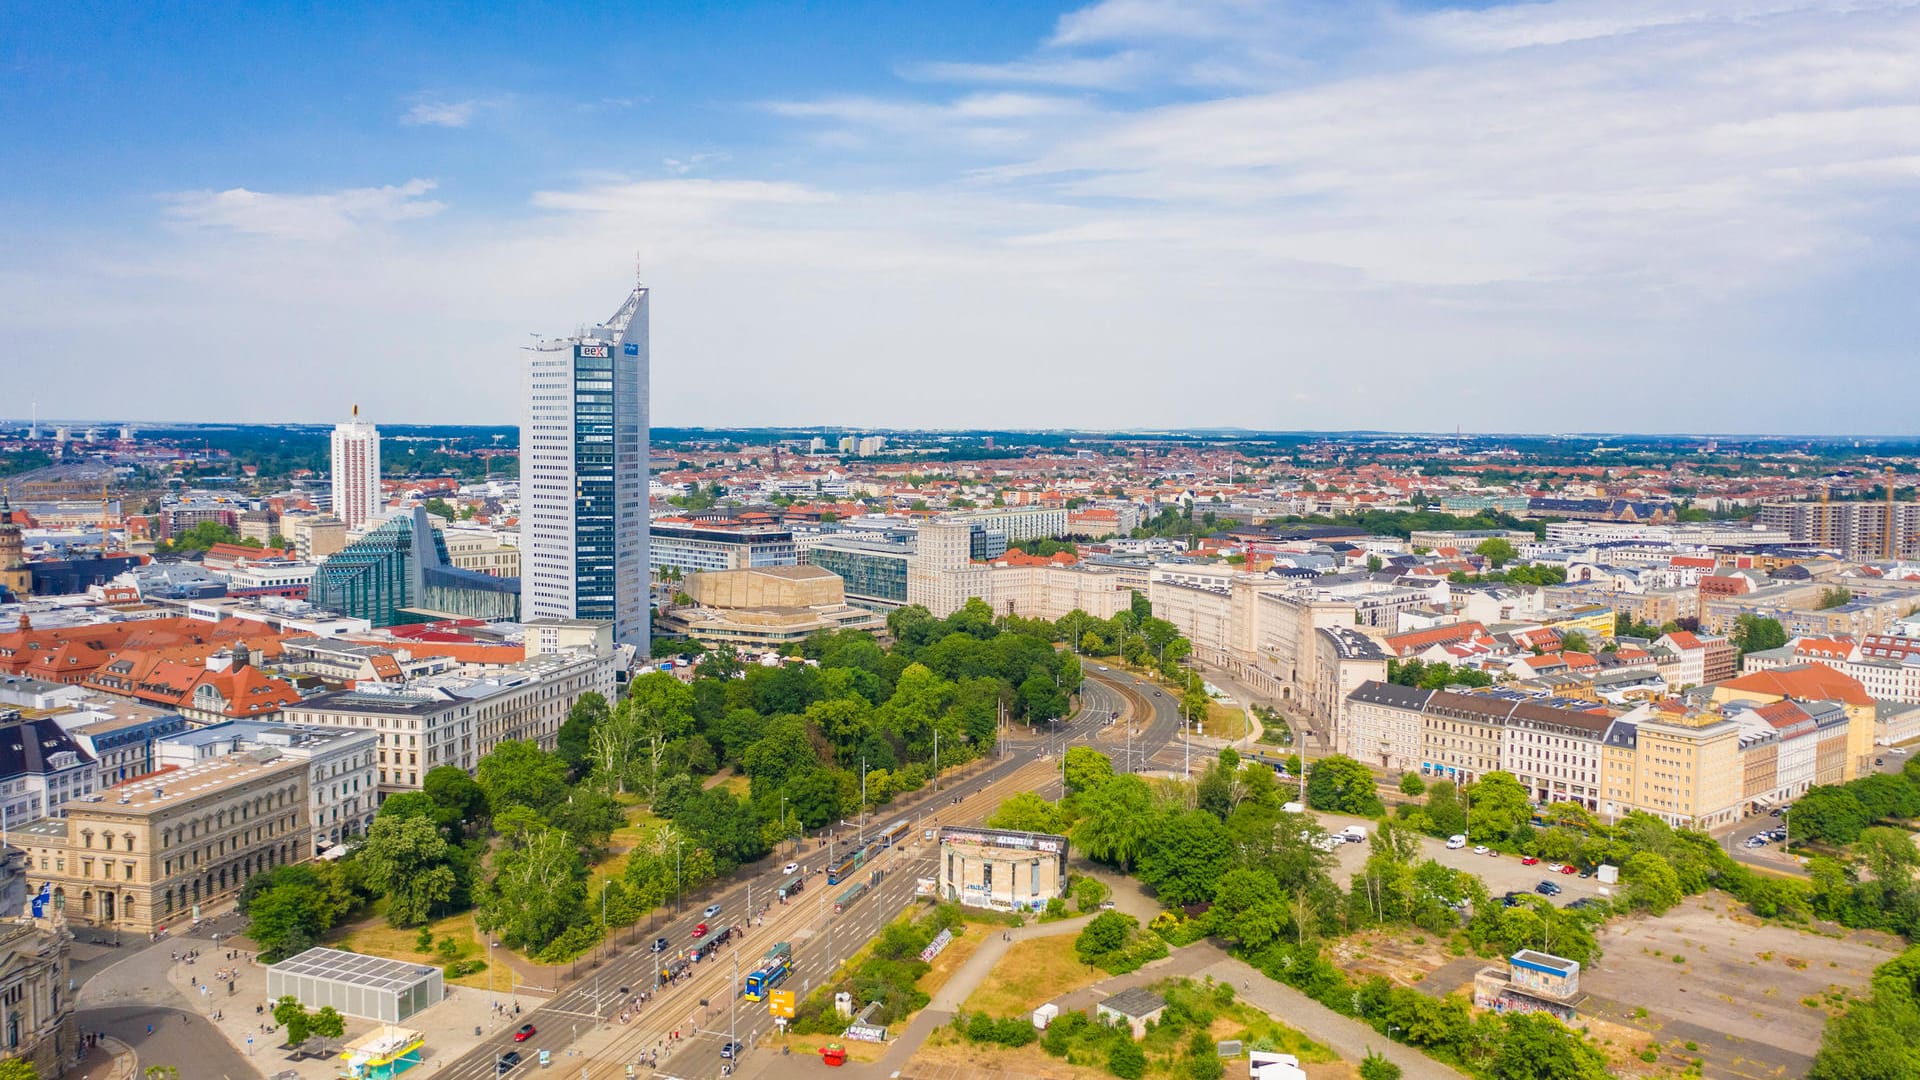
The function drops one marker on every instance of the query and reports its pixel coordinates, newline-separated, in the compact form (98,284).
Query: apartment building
(941,575)
(482,553)
(42,768)
(1344,660)
(1556,752)
(1383,725)
(455,719)
(1858,530)
(1687,768)
(146,853)
(1461,734)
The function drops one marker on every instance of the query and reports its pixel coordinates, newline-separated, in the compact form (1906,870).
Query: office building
(583,475)
(399,572)
(874,570)
(692,547)
(42,768)
(356,472)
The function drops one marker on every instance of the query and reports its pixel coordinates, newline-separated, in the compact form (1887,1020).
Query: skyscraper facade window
(583,475)
(356,472)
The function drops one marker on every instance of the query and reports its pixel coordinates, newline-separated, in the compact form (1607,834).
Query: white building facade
(356,472)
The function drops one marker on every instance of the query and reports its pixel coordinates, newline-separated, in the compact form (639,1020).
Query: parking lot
(1502,874)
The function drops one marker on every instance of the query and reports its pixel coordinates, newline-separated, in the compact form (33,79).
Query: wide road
(704,1004)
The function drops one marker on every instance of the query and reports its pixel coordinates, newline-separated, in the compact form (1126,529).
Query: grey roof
(1392,695)
(372,972)
(1135,1002)
(27,746)
(1352,644)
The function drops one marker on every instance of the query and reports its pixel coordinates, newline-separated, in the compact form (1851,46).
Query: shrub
(1375,1067)
(1126,1060)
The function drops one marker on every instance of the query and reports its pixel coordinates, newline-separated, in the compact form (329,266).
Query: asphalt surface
(687,1022)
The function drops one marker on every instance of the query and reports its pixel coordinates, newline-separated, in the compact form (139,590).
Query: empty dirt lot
(1737,993)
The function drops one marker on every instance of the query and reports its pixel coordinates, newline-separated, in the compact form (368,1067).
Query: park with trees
(549,851)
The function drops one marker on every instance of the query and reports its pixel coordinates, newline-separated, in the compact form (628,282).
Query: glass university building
(583,476)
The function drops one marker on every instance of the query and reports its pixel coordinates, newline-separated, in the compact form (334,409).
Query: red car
(1568,869)
(1529,860)
(700,931)
(526,1032)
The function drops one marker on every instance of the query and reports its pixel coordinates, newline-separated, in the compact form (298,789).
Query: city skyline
(1114,215)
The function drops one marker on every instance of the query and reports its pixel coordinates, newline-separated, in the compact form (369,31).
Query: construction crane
(1886,542)
(106,518)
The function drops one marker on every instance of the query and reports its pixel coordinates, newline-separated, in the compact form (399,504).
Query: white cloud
(325,216)
(447,114)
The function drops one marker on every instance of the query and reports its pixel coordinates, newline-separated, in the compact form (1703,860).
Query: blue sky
(1664,215)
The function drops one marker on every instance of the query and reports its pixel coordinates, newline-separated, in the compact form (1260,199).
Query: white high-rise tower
(583,476)
(356,471)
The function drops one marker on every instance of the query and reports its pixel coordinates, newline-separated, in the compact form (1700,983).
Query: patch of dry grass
(375,938)
(1032,973)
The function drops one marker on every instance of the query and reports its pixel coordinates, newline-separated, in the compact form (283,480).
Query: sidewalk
(1349,1038)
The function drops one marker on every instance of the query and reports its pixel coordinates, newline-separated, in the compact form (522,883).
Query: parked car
(730,1049)
(712,910)
(790,868)
(700,931)
(526,1032)
(1529,860)
(507,1062)
(1568,869)
(1553,868)
(1456,842)
(1901,750)
(1480,849)
(1775,812)
(1587,872)
(1547,888)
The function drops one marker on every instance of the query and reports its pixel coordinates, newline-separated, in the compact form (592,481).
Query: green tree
(1500,807)
(1025,811)
(1185,856)
(1117,820)
(406,860)
(1535,1046)
(657,710)
(328,1023)
(538,889)
(461,799)
(1105,934)
(18,1069)
(292,1018)
(1829,813)
(1575,641)
(1411,784)
(287,919)
(1650,882)
(1757,633)
(1339,784)
(1834,597)
(1497,550)
(518,772)
(575,736)
(1085,768)
(724,825)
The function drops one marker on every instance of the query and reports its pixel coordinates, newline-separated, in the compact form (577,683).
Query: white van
(1456,841)
(1295,808)
(1354,834)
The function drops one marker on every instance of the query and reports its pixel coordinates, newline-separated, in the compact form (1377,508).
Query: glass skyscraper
(583,476)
